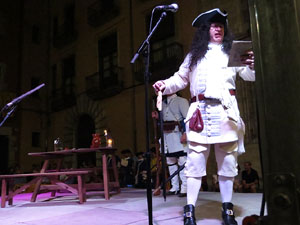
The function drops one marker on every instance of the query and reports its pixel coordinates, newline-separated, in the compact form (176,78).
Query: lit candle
(109,142)
(105,133)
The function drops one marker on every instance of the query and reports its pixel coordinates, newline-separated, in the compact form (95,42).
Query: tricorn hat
(214,16)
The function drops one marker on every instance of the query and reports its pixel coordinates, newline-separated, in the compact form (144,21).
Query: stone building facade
(82,50)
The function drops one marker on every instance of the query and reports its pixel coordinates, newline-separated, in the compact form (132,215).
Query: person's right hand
(248,59)
(159,86)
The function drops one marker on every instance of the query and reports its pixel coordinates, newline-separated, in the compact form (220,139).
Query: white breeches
(226,161)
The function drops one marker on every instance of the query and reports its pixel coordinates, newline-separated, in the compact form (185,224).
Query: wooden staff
(158,158)
(161,162)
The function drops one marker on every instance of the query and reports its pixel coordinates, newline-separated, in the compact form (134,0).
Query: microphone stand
(145,49)
(13,103)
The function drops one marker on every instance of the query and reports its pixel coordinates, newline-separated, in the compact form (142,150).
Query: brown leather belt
(201,96)
(170,125)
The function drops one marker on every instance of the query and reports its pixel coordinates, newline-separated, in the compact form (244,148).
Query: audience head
(247,165)
(140,155)
(126,153)
(153,151)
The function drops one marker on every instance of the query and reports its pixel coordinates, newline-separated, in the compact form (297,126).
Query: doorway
(4,143)
(85,129)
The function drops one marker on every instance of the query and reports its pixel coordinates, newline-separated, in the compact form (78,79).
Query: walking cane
(158,158)
(163,159)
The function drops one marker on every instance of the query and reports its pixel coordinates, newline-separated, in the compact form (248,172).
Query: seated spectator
(249,178)
(215,183)
(204,185)
(19,181)
(155,166)
(35,168)
(237,184)
(141,171)
(126,169)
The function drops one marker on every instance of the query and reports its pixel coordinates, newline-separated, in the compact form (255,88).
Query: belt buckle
(229,212)
(188,214)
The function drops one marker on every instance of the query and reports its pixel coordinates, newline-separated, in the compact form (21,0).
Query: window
(68,74)
(69,18)
(35,36)
(2,75)
(163,36)
(54,77)
(165,29)
(108,55)
(36,139)
(55,26)
(107,5)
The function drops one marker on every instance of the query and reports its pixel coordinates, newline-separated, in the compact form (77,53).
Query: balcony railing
(164,62)
(63,98)
(106,84)
(66,34)
(98,15)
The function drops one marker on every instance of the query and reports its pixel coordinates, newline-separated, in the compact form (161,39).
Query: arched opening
(4,143)
(85,129)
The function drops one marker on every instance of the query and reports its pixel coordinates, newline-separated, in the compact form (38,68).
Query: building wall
(34,66)
(122,114)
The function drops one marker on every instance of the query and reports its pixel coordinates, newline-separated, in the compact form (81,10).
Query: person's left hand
(154,114)
(248,59)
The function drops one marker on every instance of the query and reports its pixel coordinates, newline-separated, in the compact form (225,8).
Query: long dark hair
(200,43)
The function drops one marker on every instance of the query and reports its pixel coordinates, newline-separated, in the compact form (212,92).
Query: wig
(200,43)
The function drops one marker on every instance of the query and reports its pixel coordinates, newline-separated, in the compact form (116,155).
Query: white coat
(175,109)
(212,77)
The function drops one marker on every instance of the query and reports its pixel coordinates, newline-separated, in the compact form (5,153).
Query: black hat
(214,15)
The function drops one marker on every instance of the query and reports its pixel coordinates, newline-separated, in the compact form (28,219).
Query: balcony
(65,35)
(63,98)
(98,14)
(106,85)
(164,61)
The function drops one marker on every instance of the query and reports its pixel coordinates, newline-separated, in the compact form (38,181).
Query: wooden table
(60,155)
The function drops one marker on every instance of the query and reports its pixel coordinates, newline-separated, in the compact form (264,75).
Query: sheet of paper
(159,101)
(238,48)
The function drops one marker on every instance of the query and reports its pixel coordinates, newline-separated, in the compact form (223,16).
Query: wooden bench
(53,177)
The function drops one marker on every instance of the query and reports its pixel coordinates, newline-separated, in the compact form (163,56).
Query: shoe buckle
(188,214)
(229,212)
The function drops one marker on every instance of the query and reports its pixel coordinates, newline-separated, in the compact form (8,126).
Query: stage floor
(128,207)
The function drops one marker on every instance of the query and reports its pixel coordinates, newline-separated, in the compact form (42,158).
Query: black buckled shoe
(189,215)
(228,214)
(172,193)
(181,195)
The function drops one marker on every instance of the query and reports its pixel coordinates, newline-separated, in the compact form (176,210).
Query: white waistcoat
(175,109)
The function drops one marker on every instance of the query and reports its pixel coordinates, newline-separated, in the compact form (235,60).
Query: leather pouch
(169,125)
(196,122)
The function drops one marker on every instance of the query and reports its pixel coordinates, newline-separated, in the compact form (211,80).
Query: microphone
(173,7)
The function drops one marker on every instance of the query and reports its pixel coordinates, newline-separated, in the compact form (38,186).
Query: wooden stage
(127,207)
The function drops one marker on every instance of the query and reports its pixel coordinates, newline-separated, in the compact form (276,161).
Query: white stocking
(193,187)
(226,188)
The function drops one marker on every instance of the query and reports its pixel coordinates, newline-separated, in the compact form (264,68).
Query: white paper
(159,101)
